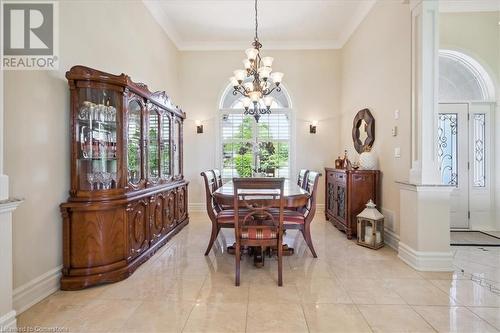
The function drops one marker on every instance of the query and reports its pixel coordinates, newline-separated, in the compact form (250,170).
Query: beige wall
(376,75)
(313,82)
(108,35)
(476,34)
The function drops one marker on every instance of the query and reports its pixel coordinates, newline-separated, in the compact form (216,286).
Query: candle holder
(370,227)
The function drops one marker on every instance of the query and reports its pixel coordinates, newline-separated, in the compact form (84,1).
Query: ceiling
(283,24)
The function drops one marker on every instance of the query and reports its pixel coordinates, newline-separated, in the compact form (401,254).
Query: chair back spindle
(302,179)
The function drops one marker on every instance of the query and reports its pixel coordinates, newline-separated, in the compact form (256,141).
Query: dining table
(295,197)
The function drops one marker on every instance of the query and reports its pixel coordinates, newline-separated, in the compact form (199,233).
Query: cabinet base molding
(426,261)
(69,282)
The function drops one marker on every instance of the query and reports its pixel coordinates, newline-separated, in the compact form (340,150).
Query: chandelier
(257,81)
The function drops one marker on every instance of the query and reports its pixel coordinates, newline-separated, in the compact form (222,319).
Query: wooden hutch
(128,195)
(346,194)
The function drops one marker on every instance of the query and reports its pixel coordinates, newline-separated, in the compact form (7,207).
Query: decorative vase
(368,160)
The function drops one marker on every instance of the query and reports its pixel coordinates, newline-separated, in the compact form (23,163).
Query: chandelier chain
(256,83)
(256,22)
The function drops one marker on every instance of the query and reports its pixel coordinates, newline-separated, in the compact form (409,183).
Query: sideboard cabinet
(346,194)
(128,195)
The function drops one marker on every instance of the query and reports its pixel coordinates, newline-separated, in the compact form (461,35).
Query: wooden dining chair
(258,226)
(302,179)
(302,218)
(218,217)
(218,177)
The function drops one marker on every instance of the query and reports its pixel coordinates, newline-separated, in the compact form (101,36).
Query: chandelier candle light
(257,81)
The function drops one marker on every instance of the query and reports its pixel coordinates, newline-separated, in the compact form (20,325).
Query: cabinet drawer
(339,177)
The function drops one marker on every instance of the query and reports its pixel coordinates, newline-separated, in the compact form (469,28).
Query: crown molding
(161,17)
(269,45)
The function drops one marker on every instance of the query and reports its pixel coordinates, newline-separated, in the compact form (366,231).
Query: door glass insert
(447,148)
(134,160)
(479,163)
(153,148)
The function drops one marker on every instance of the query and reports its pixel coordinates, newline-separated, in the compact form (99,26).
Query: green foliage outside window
(271,155)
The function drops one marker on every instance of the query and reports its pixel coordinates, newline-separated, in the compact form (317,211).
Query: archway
(246,147)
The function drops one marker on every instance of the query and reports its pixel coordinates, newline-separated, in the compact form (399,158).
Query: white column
(425,75)
(424,202)
(7,313)
(496,151)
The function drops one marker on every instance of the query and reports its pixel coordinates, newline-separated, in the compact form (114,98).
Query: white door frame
(457,140)
(481,199)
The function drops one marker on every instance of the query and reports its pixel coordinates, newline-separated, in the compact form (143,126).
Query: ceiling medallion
(257,81)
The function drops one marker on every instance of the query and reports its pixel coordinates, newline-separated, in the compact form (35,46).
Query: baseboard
(320,208)
(35,290)
(426,261)
(391,239)
(8,322)
(197,207)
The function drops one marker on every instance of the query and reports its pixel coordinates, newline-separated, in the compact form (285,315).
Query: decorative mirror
(363,130)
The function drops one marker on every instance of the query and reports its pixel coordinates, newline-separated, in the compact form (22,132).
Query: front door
(453,154)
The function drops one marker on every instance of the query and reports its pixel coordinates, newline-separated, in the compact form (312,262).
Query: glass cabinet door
(96,130)
(153,145)
(176,143)
(134,149)
(166,124)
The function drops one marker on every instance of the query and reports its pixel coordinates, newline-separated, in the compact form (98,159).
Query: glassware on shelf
(106,180)
(99,179)
(85,142)
(91,179)
(84,112)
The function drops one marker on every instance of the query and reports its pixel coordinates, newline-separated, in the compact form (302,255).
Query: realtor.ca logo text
(30,35)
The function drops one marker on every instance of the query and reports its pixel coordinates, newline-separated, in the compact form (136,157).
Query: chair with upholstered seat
(217,215)
(301,219)
(258,226)
(302,179)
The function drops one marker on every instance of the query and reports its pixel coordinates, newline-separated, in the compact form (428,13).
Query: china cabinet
(346,194)
(128,195)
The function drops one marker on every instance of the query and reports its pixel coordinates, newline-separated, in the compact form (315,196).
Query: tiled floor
(347,289)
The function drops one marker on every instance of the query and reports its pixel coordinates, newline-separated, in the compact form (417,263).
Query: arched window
(461,78)
(248,147)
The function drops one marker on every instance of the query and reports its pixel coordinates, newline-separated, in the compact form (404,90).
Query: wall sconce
(199,127)
(312,127)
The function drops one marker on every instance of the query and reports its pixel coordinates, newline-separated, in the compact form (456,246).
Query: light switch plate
(397,152)
(394,131)
(396,114)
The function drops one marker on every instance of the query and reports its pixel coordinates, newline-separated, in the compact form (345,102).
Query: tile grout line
(248,306)
(305,317)
(484,319)
(412,309)
(418,314)
(364,318)
(194,305)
